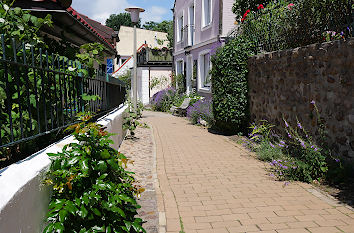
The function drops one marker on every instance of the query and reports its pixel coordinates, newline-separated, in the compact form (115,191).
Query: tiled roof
(105,31)
(77,15)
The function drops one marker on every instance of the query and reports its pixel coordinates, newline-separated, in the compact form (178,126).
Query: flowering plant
(201,110)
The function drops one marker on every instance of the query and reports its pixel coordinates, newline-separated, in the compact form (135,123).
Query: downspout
(174,39)
(149,82)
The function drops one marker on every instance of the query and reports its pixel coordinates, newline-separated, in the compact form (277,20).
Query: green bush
(285,24)
(241,6)
(229,85)
(92,192)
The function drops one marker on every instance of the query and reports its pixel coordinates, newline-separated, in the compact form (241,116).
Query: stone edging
(162,214)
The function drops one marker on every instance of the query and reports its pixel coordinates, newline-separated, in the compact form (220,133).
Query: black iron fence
(41,93)
(281,25)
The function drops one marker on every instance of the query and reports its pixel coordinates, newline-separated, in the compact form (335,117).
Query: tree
(165,26)
(151,25)
(123,19)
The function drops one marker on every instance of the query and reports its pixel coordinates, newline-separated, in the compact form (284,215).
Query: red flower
(260,6)
(245,15)
(290,6)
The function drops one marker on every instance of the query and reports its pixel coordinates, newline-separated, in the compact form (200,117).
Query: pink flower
(290,6)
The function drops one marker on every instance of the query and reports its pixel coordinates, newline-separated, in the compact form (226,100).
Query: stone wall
(283,83)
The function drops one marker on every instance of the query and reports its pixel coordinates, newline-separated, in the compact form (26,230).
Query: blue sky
(100,10)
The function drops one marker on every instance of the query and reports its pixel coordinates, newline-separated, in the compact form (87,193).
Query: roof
(81,19)
(103,30)
(125,45)
(55,7)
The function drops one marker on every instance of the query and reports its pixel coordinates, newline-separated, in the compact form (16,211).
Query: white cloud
(100,10)
(154,13)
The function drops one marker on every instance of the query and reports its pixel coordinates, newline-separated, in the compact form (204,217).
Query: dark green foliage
(229,85)
(285,24)
(92,192)
(241,6)
(115,21)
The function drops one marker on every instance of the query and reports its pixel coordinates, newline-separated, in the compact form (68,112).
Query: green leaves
(91,190)
(229,85)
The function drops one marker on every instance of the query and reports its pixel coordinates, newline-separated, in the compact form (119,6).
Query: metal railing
(148,55)
(41,93)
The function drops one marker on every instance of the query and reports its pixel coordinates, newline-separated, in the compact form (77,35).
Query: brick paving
(210,184)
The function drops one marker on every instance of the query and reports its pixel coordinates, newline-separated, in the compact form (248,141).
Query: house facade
(124,46)
(200,28)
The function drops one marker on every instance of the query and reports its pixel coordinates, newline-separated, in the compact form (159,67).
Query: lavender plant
(201,110)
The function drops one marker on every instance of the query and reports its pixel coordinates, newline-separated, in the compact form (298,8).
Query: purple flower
(281,145)
(337,160)
(303,144)
(271,174)
(289,135)
(286,183)
(282,142)
(285,167)
(271,145)
(313,102)
(286,124)
(299,125)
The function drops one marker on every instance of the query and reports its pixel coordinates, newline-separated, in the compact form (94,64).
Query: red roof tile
(77,15)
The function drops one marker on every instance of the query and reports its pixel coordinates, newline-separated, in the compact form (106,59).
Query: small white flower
(6,7)
(21,27)
(71,68)
(2,20)
(28,46)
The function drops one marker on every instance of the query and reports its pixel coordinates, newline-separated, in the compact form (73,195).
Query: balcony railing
(188,35)
(154,56)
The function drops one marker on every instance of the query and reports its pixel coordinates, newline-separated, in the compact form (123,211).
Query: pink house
(200,27)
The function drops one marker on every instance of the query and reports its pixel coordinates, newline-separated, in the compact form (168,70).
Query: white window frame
(180,27)
(204,23)
(190,31)
(176,65)
(201,75)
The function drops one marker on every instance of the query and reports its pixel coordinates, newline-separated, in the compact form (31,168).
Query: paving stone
(209,184)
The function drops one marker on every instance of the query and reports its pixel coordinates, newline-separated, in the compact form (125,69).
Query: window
(179,67)
(191,26)
(123,60)
(205,66)
(206,12)
(180,29)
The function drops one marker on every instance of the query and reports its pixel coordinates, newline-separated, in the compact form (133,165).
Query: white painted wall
(23,200)
(143,81)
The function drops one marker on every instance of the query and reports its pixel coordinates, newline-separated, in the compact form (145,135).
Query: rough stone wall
(283,83)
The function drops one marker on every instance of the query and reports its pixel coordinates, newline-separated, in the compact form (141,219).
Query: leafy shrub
(241,6)
(229,85)
(201,110)
(92,192)
(284,24)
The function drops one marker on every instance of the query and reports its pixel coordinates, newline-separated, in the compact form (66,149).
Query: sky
(100,10)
